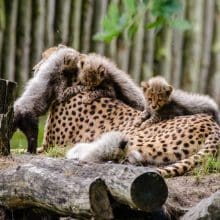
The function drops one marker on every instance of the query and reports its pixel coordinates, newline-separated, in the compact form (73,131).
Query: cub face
(90,72)
(157,95)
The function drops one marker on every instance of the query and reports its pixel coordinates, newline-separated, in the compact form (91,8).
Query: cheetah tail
(210,147)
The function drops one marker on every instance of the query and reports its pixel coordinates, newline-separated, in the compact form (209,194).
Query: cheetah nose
(123,144)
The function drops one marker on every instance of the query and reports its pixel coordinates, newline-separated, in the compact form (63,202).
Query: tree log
(7,94)
(78,189)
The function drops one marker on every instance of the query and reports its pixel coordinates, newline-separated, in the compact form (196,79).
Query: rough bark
(67,187)
(7,94)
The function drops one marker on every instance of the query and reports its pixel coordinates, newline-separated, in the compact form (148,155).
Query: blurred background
(188,59)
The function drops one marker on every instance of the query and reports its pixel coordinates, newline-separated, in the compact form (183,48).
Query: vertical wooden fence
(189,60)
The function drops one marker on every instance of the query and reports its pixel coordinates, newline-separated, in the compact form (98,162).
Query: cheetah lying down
(176,145)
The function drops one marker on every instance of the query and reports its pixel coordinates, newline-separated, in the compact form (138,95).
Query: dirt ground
(186,191)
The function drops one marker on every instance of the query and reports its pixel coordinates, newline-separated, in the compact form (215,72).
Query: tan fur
(98,70)
(165,103)
(176,145)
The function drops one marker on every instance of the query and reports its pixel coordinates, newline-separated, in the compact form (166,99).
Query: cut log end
(149,191)
(99,200)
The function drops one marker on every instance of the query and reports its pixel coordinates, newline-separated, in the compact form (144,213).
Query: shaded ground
(186,191)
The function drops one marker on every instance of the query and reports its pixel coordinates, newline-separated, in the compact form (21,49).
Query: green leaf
(157,23)
(180,24)
(105,36)
(130,6)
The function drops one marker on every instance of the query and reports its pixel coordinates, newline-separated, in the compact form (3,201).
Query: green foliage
(127,18)
(56,152)
(209,165)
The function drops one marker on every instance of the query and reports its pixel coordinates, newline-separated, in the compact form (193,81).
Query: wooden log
(7,94)
(28,185)
(67,187)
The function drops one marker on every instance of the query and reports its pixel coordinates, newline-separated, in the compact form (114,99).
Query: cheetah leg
(155,118)
(143,117)
(99,93)
(65,94)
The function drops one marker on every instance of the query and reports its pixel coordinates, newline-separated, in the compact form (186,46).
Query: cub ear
(81,61)
(48,52)
(102,70)
(169,90)
(145,85)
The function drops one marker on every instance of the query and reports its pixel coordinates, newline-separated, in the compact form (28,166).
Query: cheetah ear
(81,62)
(145,84)
(102,70)
(169,90)
(48,52)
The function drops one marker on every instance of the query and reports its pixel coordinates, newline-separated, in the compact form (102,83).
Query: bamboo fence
(189,60)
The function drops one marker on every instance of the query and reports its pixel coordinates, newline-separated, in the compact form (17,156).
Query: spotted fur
(165,103)
(175,145)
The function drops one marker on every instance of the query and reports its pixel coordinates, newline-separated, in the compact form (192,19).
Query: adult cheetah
(176,145)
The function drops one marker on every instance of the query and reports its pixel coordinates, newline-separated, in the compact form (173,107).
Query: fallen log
(77,189)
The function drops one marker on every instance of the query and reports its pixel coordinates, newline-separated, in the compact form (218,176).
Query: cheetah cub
(55,72)
(95,80)
(110,146)
(103,79)
(163,102)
